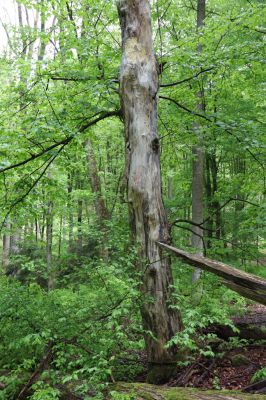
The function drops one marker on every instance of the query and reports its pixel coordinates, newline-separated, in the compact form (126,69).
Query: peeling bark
(138,91)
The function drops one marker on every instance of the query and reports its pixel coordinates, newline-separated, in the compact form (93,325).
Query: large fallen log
(247,285)
(141,391)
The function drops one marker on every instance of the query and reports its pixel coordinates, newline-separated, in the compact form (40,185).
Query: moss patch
(145,391)
(239,359)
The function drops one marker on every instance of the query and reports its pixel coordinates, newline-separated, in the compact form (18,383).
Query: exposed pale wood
(248,285)
(138,91)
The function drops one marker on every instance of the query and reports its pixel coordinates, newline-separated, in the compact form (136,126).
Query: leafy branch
(63,142)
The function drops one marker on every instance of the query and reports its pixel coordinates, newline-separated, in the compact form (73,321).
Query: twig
(64,141)
(187,79)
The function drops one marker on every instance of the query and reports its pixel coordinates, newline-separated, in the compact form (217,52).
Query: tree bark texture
(198,164)
(138,90)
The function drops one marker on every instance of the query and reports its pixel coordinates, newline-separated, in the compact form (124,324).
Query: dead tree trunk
(138,90)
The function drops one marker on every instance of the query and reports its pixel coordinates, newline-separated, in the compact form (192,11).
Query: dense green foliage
(59,77)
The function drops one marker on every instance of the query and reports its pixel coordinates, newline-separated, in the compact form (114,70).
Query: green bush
(84,331)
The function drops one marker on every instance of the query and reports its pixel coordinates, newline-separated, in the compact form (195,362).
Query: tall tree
(138,90)
(198,163)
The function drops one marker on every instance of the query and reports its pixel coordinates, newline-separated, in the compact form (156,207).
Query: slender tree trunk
(70,214)
(170,188)
(60,235)
(42,230)
(138,90)
(198,165)
(209,194)
(79,218)
(215,202)
(37,230)
(6,248)
(100,207)
(239,168)
(15,240)
(42,43)
(80,210)
(49,243)
(213,205)
(23,38)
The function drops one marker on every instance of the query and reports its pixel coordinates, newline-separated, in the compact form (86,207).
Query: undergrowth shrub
(75,338)
(202,304)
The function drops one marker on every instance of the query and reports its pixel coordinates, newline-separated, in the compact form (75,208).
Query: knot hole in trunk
(155,144)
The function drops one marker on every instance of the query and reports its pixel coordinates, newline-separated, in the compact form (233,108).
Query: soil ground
(233,369)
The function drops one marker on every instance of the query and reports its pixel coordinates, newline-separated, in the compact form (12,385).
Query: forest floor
(232,372)
(233,368)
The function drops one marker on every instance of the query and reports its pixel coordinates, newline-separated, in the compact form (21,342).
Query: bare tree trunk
(37,230)
(60,235)
(170,188)
(6,248)
(198,166)
(238,239)
(79,218)
(23,39)
(42,43)
(138,90)
(100,207)
(209,197)
(70,213)
(215,202)
(15,239)
(49,243)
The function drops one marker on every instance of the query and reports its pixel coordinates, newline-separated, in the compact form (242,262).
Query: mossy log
(244,331)
(247,285)
(144,391)
(251,325)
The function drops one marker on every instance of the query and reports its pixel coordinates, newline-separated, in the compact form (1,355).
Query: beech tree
(139,91)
